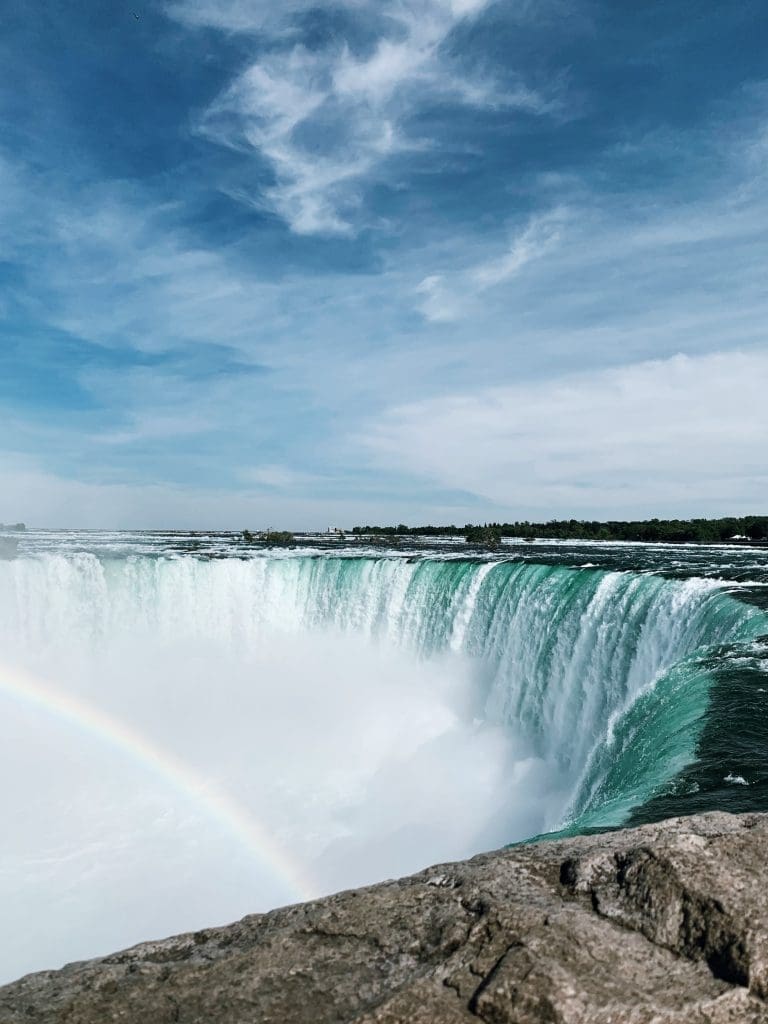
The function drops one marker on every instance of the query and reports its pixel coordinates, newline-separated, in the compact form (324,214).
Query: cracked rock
(665,924)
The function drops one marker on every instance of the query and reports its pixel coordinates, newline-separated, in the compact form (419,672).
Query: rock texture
(665,923)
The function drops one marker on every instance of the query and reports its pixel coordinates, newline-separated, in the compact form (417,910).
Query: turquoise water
(636,673)
(610,676)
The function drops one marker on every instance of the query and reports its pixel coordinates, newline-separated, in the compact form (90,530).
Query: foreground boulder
(665,923)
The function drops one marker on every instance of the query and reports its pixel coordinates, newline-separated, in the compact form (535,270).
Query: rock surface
(665,923)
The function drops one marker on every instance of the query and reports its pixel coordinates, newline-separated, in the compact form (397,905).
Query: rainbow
(216,802)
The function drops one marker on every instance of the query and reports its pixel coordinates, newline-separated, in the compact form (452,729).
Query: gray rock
(661,924)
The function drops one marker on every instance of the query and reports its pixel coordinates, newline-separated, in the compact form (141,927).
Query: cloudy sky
(301,264)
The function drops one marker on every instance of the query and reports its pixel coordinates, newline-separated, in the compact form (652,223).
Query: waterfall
(366,716)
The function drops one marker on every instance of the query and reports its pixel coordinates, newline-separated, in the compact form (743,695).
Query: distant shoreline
(486,536)
(742,530)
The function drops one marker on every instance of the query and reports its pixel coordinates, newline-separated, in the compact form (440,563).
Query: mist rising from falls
(376,715)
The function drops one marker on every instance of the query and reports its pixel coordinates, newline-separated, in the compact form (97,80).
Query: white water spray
(375,715)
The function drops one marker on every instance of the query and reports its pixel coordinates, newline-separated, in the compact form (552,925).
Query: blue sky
(426,260)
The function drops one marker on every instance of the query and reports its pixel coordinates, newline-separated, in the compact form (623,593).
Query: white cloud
(668,436)
(41,498)
(599,282)
(275,475)
(109,266)
(327,120)
(259,15)
(540,235)
(270,101)
(247,16)
(447,297)
(440,303)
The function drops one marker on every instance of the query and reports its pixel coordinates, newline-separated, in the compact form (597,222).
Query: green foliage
(271,538)
(660,531)
(757,528)
(277,538)
(410,531)
(485,536)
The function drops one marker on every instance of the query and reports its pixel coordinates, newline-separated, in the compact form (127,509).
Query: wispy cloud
(45,498)
(664,436)
(446,297)
(326,121)
(276,476)
(111,266)
(467,241)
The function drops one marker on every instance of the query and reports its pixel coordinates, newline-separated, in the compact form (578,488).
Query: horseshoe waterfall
(246,730)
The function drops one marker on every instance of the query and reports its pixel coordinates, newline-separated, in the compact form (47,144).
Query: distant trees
(757,529)
(665,531)
(490,535)
(278,538)
(410,531)
(269,538)
(378,540)
(484,536)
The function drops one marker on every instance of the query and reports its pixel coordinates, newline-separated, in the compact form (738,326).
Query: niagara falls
(196,729)
(383,512)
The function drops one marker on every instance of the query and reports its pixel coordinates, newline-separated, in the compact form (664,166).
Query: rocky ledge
(663,923)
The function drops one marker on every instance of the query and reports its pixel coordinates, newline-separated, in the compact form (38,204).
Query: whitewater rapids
(368,715)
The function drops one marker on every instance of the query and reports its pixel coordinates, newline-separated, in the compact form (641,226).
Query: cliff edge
(664,923)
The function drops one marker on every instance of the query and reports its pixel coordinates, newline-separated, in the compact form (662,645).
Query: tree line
(666,531)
